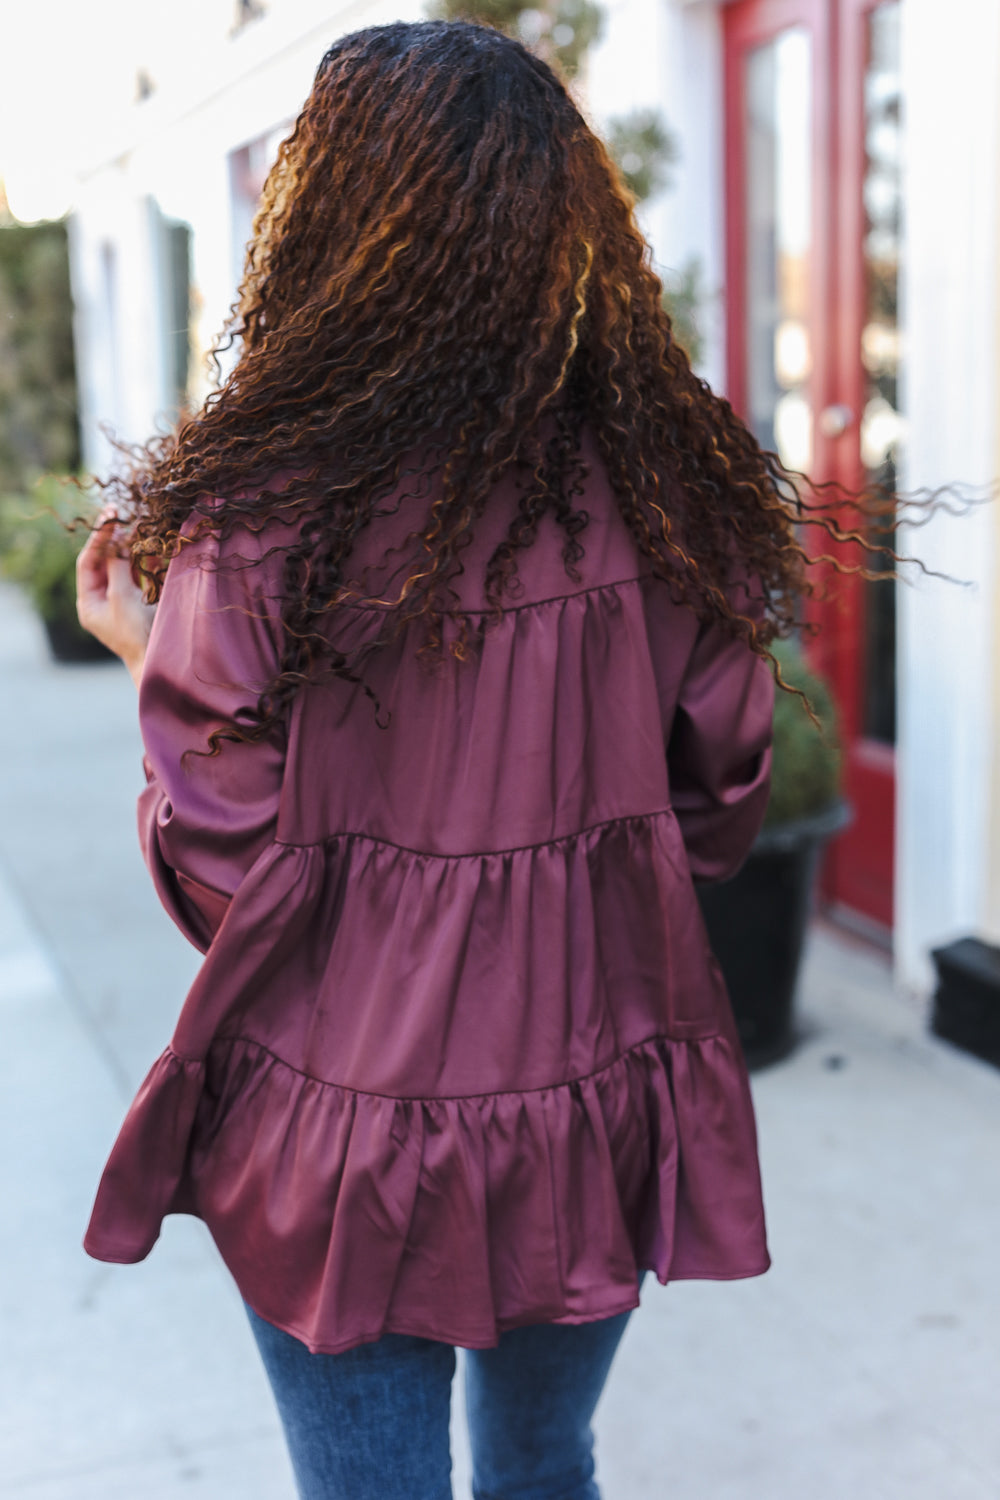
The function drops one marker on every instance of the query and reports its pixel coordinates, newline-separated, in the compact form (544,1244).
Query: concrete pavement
(866,1364)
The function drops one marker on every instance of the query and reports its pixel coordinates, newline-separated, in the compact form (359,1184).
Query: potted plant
(757,921)
(38,549)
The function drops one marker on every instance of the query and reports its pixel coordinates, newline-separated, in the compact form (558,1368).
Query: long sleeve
(204,820)
(719,752)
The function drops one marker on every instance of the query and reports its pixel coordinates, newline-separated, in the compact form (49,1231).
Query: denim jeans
(373,1423)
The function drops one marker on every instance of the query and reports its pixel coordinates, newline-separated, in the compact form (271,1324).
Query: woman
(458,680)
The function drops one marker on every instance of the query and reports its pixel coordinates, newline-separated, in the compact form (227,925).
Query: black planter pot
(757,924)
(69,642)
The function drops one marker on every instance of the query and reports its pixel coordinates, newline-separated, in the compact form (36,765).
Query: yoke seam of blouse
(563,838)
(542,1088)
(512,609)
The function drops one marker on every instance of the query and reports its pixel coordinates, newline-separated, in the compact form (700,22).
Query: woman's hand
(109,602)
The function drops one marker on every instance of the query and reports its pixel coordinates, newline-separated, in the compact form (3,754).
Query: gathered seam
(544,1088)
(513,609)
(563,838)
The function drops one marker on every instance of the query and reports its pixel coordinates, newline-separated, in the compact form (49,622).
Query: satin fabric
(458,1057)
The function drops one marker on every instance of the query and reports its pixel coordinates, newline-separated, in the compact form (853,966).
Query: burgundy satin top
(458,1057)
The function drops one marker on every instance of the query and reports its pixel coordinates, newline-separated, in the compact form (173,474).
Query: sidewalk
(864,1366)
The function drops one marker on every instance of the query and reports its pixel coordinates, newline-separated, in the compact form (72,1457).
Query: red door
(812,200)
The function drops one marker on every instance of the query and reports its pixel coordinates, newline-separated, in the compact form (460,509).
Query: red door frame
(859,865)
(858,868)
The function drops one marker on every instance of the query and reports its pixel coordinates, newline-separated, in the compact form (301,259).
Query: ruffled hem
(345,1215)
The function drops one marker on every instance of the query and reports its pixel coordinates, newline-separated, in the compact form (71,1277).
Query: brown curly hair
(445,262)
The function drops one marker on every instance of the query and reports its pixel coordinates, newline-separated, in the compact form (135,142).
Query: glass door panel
(778,220)
(861,634)
(881,422)
(777,231)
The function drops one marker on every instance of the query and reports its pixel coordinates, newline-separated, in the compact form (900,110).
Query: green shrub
(36,549)
(38,407)
(644,150)
(560,31)
(683,297)
(806,772)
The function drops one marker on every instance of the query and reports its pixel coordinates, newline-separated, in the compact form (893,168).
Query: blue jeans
(373,1423)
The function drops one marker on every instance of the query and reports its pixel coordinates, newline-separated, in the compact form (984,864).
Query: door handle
(835,420)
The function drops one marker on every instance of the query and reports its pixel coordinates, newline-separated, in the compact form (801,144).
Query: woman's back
(458,1018)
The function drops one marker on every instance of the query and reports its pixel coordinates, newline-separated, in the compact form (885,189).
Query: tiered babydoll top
(458,1057)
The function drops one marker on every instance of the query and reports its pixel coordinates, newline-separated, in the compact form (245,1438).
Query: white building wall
(668,54)
(692,223)
(120,352)
(213,96)
(948,632)
(625,72)
(991,924)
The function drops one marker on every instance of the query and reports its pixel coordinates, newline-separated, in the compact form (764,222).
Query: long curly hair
(446,262)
